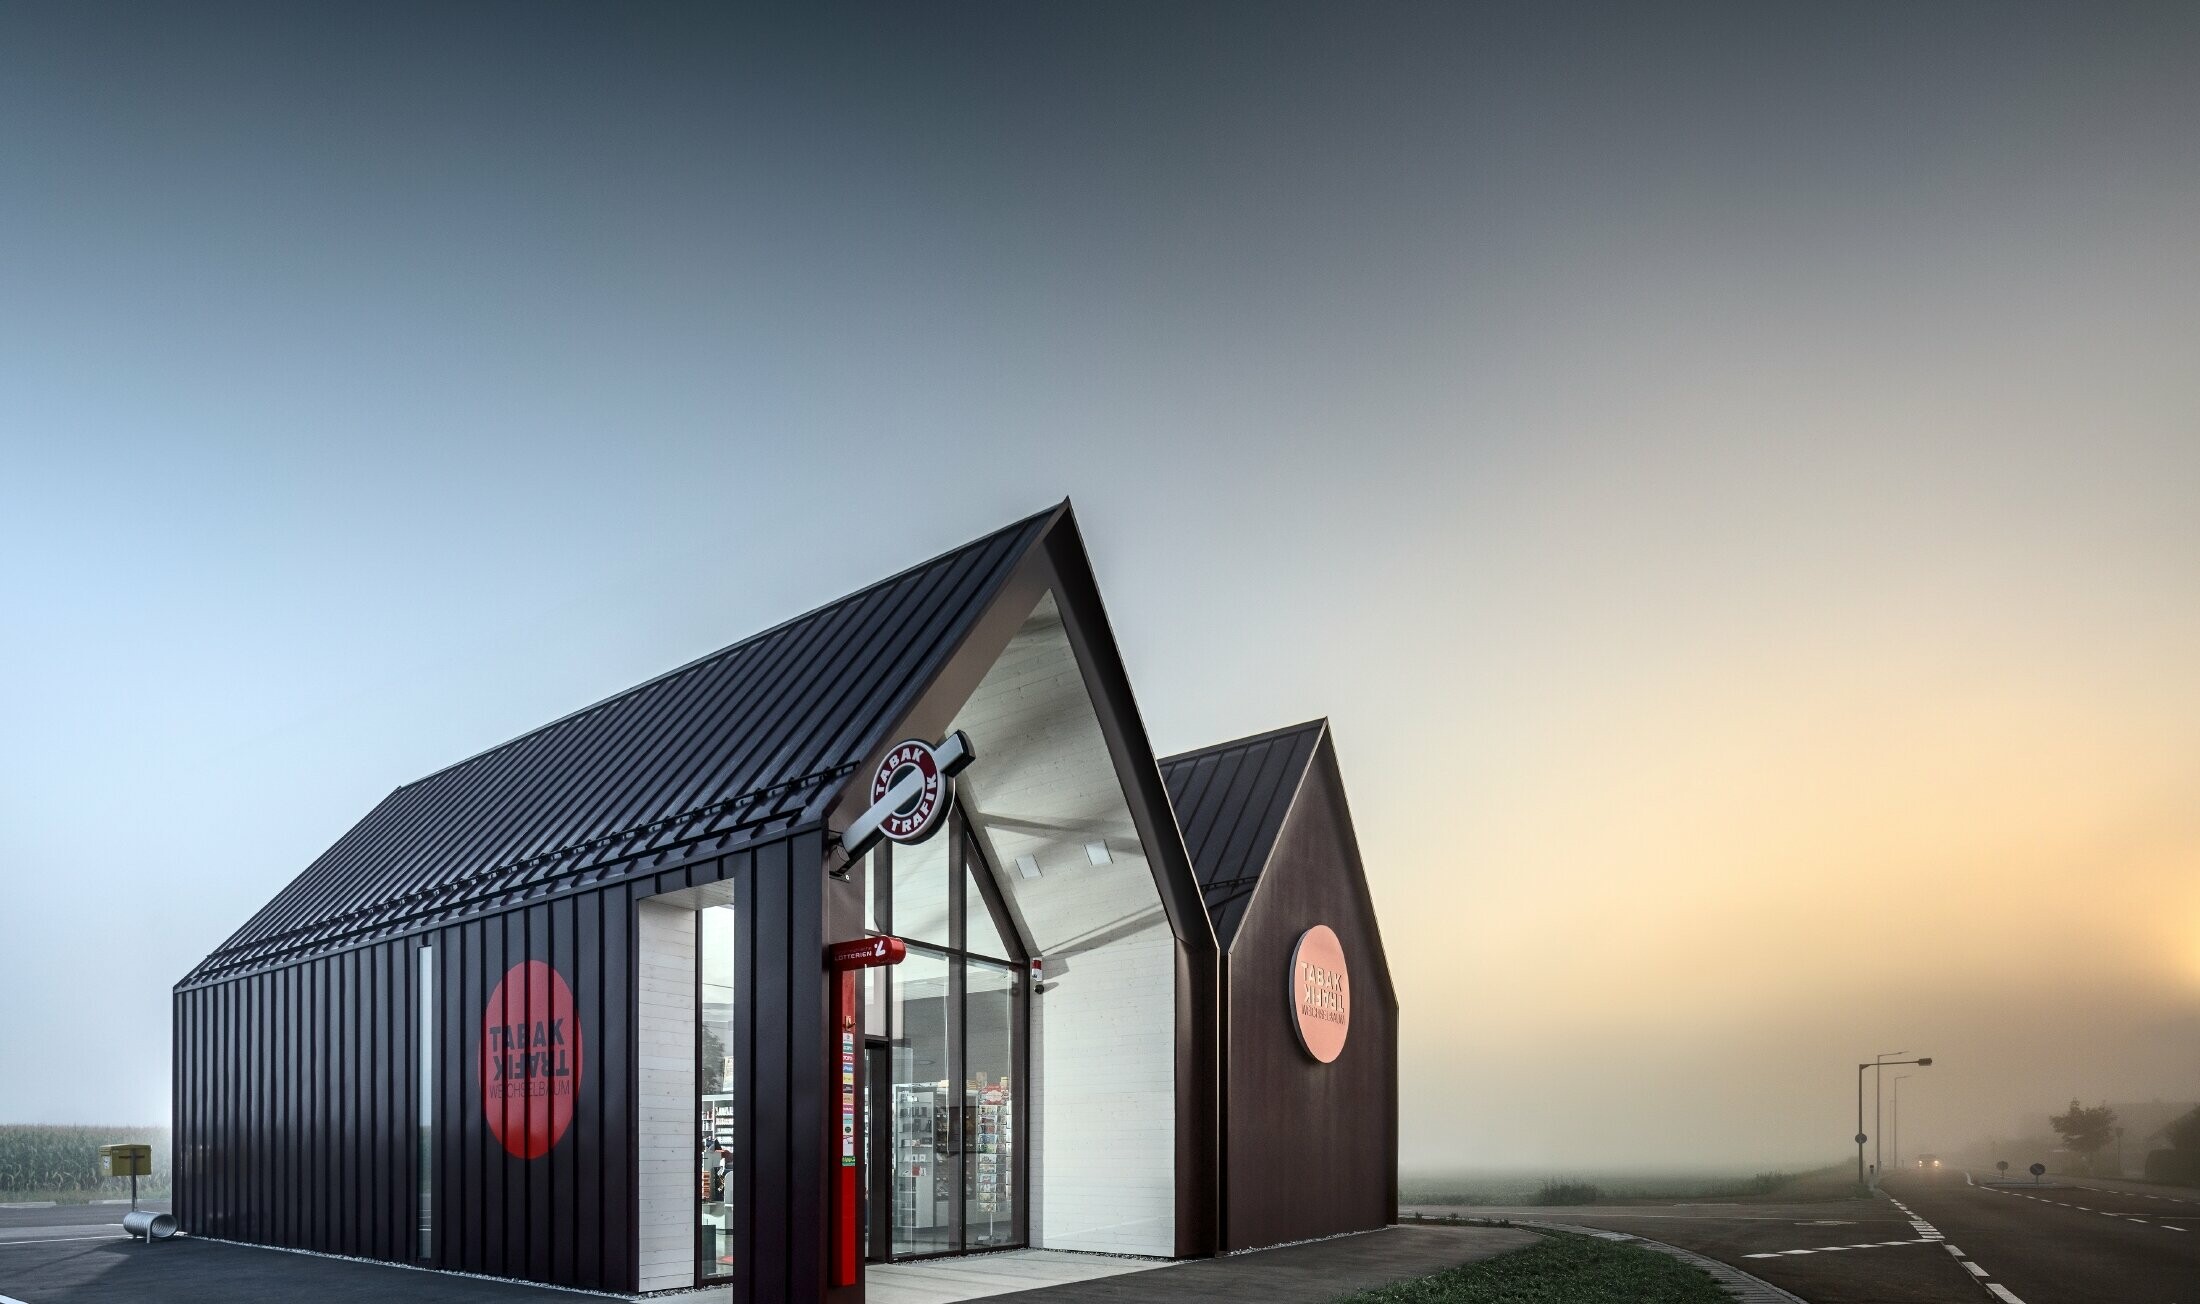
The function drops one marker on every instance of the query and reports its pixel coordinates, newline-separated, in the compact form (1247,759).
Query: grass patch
(1468,1189)
(1560,1270)
(40,1162)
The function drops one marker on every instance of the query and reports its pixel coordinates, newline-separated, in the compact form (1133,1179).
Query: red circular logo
(910,764)
(1321,993)
(530,1059)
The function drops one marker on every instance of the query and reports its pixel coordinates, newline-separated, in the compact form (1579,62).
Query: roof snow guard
(1230,801)
(725,751)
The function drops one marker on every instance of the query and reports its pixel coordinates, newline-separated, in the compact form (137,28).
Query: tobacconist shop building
(880,935)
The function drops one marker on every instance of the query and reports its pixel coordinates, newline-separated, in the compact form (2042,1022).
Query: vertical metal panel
(766,1103)
(564,1229)
(588,1111)
(450,1078)
(540,1172)
(391,1122)
(343,1057)
(496,1226)
(812,1076)
(745,1242)
(621,1160)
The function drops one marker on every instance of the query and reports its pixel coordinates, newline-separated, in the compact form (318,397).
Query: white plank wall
(666,1091)
(1102,1120)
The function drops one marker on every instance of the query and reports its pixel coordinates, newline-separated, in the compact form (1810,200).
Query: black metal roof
(721,752)
(1230,801)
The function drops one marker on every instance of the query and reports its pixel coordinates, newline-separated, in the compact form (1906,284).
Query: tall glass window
(426,1108)
(926,1174)
(949,1022)
(717,951)
(993,1033)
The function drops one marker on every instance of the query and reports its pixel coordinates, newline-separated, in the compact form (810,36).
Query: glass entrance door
(948,1062)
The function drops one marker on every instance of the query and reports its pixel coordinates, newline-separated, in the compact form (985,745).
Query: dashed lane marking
(2140,1219)
(1970,1265)
(1829,1249)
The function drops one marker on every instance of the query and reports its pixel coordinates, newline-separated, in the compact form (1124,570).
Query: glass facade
(426,1121)
(948,1024)
(717,938)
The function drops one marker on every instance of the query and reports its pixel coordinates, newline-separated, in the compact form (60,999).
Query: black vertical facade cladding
(783,1024)
(297,1090)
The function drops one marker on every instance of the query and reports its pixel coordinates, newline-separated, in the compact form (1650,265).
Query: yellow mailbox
(126,1161)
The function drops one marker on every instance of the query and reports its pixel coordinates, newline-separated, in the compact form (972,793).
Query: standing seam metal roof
(732,747)
(1230,801)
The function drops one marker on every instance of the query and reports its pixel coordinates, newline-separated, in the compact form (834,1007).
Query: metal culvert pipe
(149,1225)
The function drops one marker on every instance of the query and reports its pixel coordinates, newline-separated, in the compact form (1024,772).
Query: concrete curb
(1739,1284)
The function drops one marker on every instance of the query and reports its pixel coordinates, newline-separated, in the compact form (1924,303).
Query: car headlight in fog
(1936,1163)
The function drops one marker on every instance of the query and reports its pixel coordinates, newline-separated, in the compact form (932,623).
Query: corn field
(43,1162)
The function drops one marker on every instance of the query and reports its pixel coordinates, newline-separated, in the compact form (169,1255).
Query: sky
(1730,474)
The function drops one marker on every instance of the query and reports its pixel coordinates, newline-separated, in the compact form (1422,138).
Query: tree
(2085,1130)
(2184,1134)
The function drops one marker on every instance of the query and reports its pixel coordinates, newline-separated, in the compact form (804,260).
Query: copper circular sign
(1321,993)
(530,1059)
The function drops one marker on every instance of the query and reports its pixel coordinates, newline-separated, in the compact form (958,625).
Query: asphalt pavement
(2077,1243)
(78,1254)
(1940,1238)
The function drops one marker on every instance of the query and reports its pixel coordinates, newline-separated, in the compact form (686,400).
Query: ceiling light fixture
(1097,853)
(1028,866)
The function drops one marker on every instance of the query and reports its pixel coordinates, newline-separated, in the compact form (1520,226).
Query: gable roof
(724,751)
(1230,802)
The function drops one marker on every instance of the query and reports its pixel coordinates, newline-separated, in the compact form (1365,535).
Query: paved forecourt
(82,1262)
(1313,1273)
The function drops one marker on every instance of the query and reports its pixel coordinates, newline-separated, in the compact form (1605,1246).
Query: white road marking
(1973,1268)
(1829,1249)
(56,1240)
(2003,1293)
(1951,1249)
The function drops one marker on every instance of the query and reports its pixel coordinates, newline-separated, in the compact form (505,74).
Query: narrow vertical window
(717,1052)
(427,1102)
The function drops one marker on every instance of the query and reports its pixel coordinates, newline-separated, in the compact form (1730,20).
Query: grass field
(1559,1270)
(40,1162)
(1470,1187)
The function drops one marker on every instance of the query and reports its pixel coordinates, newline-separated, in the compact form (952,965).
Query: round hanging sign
(1321,993)
(911,766)
(530,1059)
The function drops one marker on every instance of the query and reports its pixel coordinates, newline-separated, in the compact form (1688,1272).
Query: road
(1938,1239)
(51,1222)
(2072,1244)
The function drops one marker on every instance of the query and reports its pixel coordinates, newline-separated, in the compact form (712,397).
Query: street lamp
(1879,1063)
(1898,1080)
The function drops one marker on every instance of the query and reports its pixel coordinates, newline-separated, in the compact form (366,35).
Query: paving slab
(1313,1273)
(986,1276)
